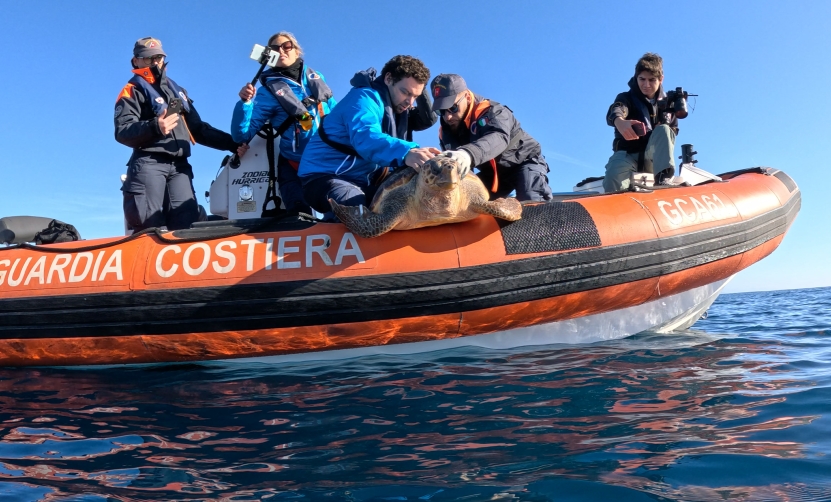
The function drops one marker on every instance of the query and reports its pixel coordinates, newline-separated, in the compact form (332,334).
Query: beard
(402,107)
(454,128)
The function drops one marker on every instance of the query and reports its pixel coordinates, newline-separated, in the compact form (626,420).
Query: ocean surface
(736,409)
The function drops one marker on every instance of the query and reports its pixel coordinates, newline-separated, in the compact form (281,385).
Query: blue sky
(761,69)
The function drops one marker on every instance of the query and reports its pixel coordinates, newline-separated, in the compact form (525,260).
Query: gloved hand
(462,158)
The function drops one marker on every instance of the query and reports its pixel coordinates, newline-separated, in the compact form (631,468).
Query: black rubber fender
(20,229)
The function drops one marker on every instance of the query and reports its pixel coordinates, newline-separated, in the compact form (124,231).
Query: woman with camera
(293,98)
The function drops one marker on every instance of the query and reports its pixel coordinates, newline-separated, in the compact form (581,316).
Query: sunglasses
(285,46)
(451,110)
(154,59)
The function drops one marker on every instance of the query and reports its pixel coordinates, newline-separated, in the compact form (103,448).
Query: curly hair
(406,66)
(652,63)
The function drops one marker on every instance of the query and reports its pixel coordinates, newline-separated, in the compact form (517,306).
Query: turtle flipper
(364,222)
(507,209)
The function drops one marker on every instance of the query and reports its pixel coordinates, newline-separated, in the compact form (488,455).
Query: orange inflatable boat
(579,269)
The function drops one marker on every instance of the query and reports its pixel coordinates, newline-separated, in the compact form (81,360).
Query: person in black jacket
(158,191)
(485,134)
(645,130)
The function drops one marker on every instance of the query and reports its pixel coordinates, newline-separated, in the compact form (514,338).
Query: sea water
(737,408)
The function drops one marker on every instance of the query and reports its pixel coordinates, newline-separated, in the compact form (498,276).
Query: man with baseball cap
(484,134)
(158,190)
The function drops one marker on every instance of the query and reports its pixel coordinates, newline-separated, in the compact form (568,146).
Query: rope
(157,232)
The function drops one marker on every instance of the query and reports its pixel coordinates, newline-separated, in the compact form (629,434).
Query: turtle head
(441,173)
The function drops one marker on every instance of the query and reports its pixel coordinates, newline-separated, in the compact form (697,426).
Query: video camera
(676,101)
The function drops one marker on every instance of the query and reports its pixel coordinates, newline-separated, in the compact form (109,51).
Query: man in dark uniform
(158,190)
(484,134)
(644,130)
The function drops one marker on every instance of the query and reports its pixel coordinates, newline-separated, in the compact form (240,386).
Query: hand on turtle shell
(462,158)
(418,156)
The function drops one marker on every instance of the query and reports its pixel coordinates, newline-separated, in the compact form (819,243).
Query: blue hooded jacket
(364,120)
(249,117)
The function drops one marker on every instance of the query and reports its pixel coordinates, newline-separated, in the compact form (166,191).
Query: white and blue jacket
(278,99)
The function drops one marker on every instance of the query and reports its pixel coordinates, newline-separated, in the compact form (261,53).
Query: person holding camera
(368,134)
(645,125)
(156,118)
(485,134)
(294,98)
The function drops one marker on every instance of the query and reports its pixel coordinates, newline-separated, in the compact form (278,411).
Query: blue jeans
(319,189)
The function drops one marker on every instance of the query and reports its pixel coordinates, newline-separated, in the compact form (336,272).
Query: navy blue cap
(445,88)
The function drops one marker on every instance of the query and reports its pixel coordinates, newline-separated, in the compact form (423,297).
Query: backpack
(57,231)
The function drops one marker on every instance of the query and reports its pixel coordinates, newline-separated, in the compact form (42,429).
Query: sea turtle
(432,194)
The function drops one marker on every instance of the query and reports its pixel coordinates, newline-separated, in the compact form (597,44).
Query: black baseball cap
(445,88)
(147,47)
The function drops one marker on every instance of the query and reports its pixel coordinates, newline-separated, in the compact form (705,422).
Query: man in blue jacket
(367,133)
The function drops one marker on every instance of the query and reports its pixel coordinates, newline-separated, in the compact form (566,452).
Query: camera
(264,55)
(676,101)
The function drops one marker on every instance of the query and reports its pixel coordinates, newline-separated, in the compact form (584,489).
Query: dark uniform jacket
(137,125)
(491,133)
(633,105)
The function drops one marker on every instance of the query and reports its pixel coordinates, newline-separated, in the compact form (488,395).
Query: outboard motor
(239,191)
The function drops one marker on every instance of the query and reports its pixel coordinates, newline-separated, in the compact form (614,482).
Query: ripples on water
(736,409)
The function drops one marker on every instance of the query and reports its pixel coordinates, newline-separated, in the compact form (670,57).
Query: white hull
(676,312)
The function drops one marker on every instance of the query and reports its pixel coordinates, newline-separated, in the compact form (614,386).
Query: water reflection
(688,416)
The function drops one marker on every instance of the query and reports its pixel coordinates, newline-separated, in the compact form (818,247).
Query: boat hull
(305,288)
(664,315)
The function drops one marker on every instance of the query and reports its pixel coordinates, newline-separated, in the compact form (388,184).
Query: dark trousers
(318,190)
(528,179)
(159,193)
(291,189)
